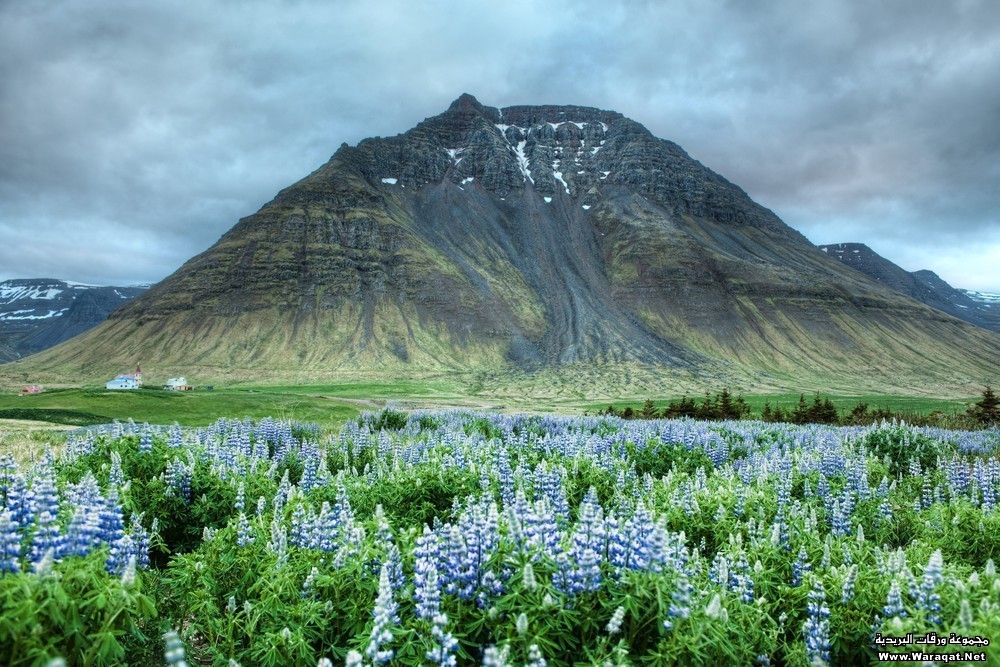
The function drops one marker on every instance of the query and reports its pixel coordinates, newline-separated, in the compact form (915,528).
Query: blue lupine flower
(801,567)
(173,652)
(847,590)
(20,501)
(110,520)
(118,557)
(445,644)
(894,601)
(240,497)
(47,537)
(427,592)
(244,532)
(680,600)
(394,564)
(385,619)
(83,532)
(10,542)
(817,626)
(178,478)
(535,658)
(116,476)
(928,598)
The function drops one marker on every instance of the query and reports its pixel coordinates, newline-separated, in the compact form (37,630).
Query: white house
(123,382)
(177,384)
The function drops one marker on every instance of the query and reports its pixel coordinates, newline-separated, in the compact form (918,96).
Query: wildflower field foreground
(475,538)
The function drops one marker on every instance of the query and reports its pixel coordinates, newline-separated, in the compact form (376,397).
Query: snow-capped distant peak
(982,297)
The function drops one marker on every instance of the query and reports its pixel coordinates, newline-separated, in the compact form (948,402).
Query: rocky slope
(924,286)
(38,313)
(542,245)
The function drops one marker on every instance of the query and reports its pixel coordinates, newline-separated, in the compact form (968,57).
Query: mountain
(532,250)
(982,297)
(924,286)
(36,314)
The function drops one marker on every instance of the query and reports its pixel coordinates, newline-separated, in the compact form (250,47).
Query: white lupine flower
(615,624)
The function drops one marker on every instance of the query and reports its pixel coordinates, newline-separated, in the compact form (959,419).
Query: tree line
(725,405)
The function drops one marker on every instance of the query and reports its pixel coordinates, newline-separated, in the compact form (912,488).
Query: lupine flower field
(455,538)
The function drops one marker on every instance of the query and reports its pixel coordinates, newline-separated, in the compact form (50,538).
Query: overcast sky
(134,134)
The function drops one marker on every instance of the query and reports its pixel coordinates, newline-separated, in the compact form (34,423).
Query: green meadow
(330,405)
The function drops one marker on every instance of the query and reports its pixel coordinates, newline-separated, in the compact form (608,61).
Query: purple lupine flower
(10,542)
(816,629)
(617,541)
(564,579)
(385,619)
(740,581)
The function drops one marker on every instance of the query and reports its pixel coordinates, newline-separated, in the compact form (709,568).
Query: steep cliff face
(924,286)
(534,239)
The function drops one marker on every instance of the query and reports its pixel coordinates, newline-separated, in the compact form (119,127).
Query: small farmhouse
(178,384)
(31,389)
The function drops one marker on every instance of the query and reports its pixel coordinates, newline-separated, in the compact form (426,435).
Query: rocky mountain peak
(565,154)
(517,239)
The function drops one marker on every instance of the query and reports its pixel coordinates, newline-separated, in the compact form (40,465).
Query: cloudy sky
(134,134)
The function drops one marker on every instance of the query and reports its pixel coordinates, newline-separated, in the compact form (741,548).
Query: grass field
(332,404)
(898,404)
(197,408)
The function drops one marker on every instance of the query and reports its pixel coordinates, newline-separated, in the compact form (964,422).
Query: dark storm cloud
(136,133)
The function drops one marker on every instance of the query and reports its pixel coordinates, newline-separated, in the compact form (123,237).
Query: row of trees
(724,405)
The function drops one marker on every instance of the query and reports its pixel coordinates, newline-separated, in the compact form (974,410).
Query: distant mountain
(983,297)
(36,314)
(561,250)
(979,308)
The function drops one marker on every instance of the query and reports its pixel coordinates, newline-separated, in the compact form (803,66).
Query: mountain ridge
(38,313)
(554,242)
(924,285)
